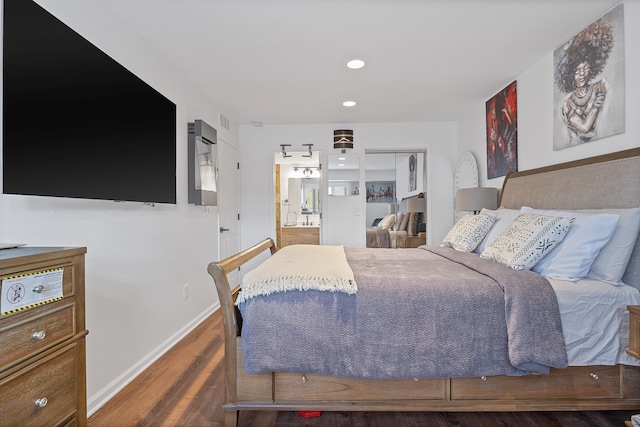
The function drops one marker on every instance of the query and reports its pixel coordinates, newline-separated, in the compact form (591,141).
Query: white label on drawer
(28,290)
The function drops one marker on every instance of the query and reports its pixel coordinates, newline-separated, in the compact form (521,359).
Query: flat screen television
(76,123)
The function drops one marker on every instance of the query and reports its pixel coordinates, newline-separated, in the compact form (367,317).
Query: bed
(382,237)
(590,374)
(385,231)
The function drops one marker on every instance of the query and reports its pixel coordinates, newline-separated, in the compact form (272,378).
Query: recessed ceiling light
(342,158)
(349,103)
(354,64)
(340,164)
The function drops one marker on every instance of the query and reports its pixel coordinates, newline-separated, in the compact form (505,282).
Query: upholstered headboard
(607,181)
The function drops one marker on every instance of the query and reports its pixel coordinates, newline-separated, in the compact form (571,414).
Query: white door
(228,208)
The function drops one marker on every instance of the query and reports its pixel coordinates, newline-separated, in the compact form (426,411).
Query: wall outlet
(185,291)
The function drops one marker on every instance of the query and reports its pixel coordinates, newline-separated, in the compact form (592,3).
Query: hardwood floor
(185,387)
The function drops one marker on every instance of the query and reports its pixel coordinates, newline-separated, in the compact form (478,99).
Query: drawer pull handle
(304,378)
(594,376)
(41,403)
(39,335)
(38,289)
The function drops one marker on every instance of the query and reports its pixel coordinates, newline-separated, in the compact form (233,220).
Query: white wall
(138,256)
(258,145)
(535,113)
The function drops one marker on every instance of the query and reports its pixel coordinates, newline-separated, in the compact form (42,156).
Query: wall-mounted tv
(75,122)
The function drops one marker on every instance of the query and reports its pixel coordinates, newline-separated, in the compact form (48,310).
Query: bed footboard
(231,319)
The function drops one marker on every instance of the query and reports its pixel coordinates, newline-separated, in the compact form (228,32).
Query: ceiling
(283,61)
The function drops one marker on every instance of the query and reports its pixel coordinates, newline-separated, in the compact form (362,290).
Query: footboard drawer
(573,382)
(311,387)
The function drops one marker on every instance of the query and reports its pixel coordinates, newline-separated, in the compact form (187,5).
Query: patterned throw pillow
(468,232)
(504,218)
(527,240)
(412,225)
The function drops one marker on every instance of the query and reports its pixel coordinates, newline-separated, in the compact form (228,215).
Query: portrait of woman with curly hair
(589,83)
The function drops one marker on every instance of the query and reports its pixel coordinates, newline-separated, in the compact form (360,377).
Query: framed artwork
(381,192)
(589,83)
(413,159)
(502,132)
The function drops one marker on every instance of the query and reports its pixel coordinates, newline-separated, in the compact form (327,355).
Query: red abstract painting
(502,132)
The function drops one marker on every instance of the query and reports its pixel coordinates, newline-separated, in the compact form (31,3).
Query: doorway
(298,175)
(228,206)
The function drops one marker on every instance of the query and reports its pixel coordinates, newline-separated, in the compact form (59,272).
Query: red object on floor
(310,414)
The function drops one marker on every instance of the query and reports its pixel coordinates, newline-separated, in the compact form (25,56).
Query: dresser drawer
(28,333)
(67,274)
(52,378)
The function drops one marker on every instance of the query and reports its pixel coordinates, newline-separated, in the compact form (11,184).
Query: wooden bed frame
(611,178)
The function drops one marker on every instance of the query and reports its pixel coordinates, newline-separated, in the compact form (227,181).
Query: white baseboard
(96,401)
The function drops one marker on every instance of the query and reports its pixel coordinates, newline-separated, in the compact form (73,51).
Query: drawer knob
(41,403)
(39,335)
(304,378)
(594,376)
(483,378)
(38,289)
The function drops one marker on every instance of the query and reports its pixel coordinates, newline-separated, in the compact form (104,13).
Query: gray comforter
(418,313)
(378,237)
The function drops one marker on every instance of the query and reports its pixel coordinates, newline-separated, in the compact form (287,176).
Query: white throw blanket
(289,269)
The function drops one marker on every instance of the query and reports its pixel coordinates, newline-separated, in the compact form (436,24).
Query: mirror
(344,175)
(390,177)
(304,195)
(381,179)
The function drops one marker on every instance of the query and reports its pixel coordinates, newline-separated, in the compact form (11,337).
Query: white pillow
(613,258)
(388,221)
(572,258)
(504,217)
(527,240)
(468,232)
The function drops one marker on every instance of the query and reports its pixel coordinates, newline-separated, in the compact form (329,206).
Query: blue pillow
(572,258)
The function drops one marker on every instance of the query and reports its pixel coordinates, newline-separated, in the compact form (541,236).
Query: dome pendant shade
(343,138)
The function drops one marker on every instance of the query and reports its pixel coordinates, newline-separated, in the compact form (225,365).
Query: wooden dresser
(42,356)
(300,235)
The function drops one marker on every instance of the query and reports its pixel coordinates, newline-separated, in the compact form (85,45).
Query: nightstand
(634,336)
(411,241)
(634,330)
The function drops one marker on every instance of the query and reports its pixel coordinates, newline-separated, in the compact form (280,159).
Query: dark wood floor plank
(185,387)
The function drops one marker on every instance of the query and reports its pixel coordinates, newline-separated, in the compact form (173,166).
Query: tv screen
(75,122)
